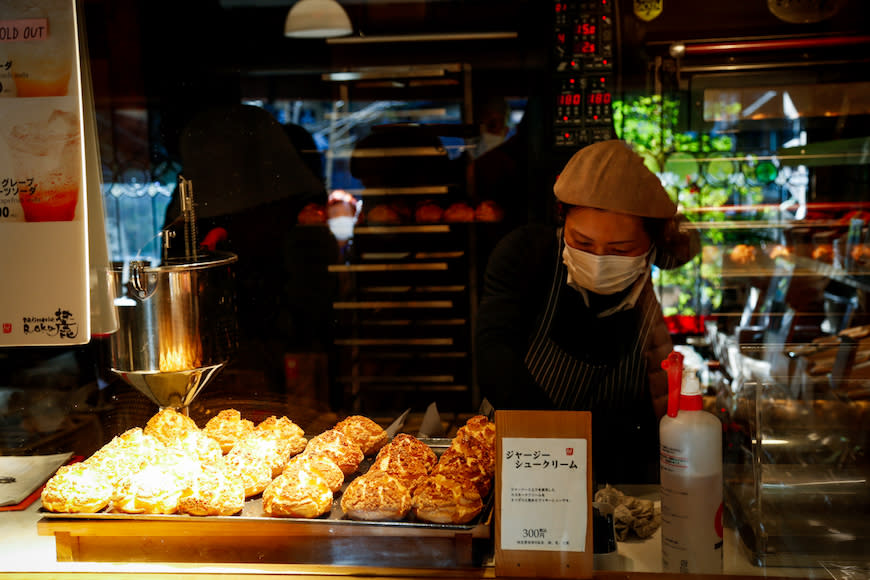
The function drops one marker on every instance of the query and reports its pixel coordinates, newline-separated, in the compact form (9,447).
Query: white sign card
(44,297)
(543,494)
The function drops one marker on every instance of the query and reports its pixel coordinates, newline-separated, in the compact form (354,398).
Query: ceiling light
(317,19)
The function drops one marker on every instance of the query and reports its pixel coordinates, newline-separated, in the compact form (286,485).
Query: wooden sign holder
(540,563)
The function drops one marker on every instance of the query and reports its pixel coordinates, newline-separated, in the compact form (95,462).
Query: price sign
(544,494)
(543,490)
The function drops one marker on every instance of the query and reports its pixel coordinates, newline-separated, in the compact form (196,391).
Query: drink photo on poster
(44,167)
(37,48)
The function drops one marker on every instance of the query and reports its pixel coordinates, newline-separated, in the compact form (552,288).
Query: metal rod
(185,190)
(688,49)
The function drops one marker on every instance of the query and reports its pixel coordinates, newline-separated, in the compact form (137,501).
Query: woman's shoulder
(523,256)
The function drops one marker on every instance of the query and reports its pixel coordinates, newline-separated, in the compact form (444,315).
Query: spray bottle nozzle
(673,365)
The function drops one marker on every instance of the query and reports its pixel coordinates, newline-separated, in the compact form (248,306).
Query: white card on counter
(543,494)
(22,475)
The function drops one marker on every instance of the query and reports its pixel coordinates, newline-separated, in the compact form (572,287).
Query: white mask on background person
(603,274)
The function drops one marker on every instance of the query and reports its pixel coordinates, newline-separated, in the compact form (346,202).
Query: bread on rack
(376,496)
(339,448)
(298,494)
(216,491)
(459,211)
(227,427)
(319,465)
(370,436)
(167,424)
(488,211)
(77,488)
(441,500)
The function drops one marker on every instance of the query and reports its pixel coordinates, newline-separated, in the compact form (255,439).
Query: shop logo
(7,328)
(569,451)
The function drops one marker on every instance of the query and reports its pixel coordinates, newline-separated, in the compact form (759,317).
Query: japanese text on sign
(544,495)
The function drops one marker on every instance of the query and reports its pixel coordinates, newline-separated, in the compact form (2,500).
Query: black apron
(608,376)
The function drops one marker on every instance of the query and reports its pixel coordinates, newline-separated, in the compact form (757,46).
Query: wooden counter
(24,553)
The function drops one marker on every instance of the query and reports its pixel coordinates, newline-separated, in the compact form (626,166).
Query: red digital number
(561,7)
(587,47)
(585,29)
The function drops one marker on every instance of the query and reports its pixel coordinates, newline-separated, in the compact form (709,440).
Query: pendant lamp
(317,19)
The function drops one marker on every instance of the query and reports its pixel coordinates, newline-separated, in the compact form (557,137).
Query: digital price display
(585,39)
(561,12)
(583,65)
(598,98)
(570,99)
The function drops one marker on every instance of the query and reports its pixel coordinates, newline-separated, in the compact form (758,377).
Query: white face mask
(603,274)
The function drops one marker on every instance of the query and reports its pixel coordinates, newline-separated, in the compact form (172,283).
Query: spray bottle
(691,477)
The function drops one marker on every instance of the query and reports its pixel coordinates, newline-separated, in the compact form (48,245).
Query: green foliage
(690,167)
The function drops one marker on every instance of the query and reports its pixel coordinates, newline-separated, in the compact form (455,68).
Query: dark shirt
(617,356)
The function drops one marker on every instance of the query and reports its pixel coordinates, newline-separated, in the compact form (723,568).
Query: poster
(43,214)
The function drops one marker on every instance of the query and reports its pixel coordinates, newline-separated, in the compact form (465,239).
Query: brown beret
(609,175)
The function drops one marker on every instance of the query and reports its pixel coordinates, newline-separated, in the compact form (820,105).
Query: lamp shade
(317,19)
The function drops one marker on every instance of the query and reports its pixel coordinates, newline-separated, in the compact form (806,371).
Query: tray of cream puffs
(234,468)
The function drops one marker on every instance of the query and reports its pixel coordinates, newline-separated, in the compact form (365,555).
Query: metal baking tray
(253,509)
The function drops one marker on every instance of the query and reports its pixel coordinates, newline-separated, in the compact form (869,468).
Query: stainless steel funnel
(177,325)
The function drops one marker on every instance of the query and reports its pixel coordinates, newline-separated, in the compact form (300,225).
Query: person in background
(249,183)
(568,318)
(494,127)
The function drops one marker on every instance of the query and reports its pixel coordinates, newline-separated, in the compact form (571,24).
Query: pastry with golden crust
(167,424)
(77,488)
(248,459)
(126,454)
(216,491)
(339,448)
(455,465)
(481,429)
(467,445)
(198,445)
(155,489)
(404,445)
(297,494)
(266,448)
(376,496)
(442,500)
(319,465)
(227,427)
(407,462)
(370,436)
(283,426)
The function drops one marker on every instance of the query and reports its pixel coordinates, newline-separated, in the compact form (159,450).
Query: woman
(569,319)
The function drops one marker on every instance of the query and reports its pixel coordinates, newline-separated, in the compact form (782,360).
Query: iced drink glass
(46,161)
(42,64)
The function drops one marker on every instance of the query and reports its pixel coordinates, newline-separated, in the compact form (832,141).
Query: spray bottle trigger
(673,365)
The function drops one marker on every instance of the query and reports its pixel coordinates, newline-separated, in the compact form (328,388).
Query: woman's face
(605,233)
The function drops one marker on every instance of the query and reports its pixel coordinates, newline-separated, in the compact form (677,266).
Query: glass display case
(767,159)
